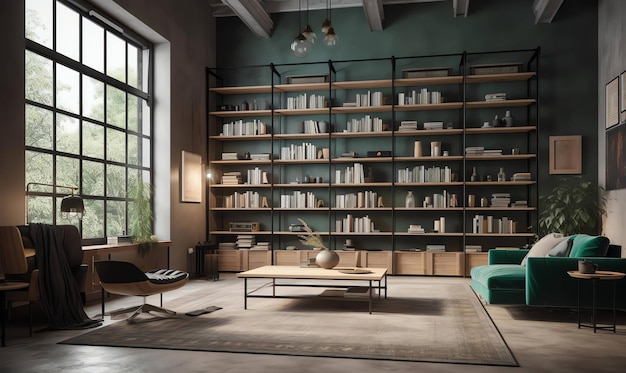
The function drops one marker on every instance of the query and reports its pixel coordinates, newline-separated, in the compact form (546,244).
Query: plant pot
(327,259)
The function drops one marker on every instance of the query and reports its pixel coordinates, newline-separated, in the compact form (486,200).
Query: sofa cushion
(562,249)
(543,246)
(500,276)
(584,245)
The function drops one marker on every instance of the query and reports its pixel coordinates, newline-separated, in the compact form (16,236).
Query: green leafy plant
(573,206)
(141,217)
(311,238)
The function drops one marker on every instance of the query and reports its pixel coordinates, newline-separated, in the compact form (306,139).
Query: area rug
(436,322)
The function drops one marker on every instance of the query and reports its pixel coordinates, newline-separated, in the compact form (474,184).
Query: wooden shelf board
(418,107)
(500,103)
(451,183)
(431,234)
(241,90)
(488,78)
(361,159)
(499,234)
(300,161)
(302,209)
(362,209)
(236,233)
(240,208)
(287,112)
(240,138)
(243,161)
(241,113)
(429,159)
(301,136)
(482,131)
(239,186)
(301,185)
(361,134)
(472,183)
(429,209)
(503,157)
(440,80)
(302,87)
(361,109)
(500,208)
(454,131)
(363,84)
(361,184)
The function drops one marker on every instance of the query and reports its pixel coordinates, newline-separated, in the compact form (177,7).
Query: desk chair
(124,278)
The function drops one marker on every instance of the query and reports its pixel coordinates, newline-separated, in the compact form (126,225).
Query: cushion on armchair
(584,245)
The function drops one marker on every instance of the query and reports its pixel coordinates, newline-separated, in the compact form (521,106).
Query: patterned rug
(435,322)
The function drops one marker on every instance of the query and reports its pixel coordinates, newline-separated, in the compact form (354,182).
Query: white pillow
(543,246)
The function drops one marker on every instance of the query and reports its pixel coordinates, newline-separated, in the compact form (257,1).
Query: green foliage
(574,206)
(141,216)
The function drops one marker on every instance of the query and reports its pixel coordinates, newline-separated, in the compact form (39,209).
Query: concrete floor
(542,340)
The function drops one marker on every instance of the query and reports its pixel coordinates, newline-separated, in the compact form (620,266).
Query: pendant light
(300,46)
(326,24)
(308,32)
(331,38)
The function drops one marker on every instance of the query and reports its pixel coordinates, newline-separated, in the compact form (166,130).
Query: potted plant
(141,217)
(326,258)
(573,206)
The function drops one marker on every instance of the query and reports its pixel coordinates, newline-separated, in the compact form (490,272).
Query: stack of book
(500,199)
(521,203)
(436,248)
(433,125)
(474,150)
(416,229)
(521,176)
(227,245)
(260,246)
(260,156)
(473,249)
(492,152)
(231,178)
(408,125)
(230,156)
(245,241)
(495,97)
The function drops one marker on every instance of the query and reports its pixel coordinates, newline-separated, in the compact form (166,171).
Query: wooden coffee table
(375,277)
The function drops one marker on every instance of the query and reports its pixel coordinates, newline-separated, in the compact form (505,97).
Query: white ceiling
(255,13)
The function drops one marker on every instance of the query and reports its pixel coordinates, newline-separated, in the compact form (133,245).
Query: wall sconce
(71,205)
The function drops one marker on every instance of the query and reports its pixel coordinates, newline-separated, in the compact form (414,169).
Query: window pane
(93,182)
(145,118)
(38,127)
(133,149)
(38,78)
(116,107)
(145,153)
(39,210)
(133,178)
(116,181)
(68,135)
(93,220)
(67,173)
(116,57)
(116,146)
(116,218)
(68,89)
(39,21)
(93,98)
(93,140)
(67,34)
(93,45)
(133,115)
(38,167)
(133,65)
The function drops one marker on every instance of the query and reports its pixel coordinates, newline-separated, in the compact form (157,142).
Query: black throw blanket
(59,292)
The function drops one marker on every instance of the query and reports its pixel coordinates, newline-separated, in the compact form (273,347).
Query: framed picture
(566,154)
(612,103)
(622,97)
(615,158)
(191,177)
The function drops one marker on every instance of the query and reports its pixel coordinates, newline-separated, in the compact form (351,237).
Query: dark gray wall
(568,67)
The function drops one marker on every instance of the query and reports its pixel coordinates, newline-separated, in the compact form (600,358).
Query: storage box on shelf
(347,151)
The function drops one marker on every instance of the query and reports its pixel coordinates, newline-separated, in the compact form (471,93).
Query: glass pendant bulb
(300,46)
(331,39)
(326,26)
(309,34)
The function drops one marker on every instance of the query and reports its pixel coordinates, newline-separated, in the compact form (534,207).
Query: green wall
(568,62)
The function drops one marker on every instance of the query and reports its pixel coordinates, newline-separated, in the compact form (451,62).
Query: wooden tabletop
(599,275)
(294,272)
(13,285)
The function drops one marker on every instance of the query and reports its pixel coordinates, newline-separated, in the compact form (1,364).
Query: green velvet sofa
(544,281)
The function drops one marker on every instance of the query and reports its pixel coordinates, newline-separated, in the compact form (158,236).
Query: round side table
(594,277)
(7,286)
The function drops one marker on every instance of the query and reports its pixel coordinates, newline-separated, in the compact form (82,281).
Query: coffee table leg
(593,311)
(578,286)
(245,293)
(614,329)
(370,300)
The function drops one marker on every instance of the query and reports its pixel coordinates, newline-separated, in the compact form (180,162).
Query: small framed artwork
(612,103)
(191,177)
(622,97)
(566,154)
(616,158)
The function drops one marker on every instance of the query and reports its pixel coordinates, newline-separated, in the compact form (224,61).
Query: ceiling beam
(253,15)
(460,7)
(374,13)
(545,10)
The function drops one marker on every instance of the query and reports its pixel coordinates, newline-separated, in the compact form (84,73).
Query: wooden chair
(124,278)
(12,262)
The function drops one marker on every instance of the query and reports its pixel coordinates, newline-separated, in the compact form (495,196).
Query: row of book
(367,99)
(351,175)
(298,199)
(421,97)
(247,199)
(367,199)
(305,101)
(314,126)
(421,174)
(489,224)
(480,150)
(365,124)
(350,224)
(304,151)
(255,176)
(241,128)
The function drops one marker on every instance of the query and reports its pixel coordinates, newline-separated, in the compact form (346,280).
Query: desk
(594,277)
(7,286)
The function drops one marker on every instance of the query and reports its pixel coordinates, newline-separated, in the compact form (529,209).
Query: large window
(88,116)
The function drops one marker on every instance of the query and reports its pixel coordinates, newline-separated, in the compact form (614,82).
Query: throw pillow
(563,248)
(543,246)
(585,245)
